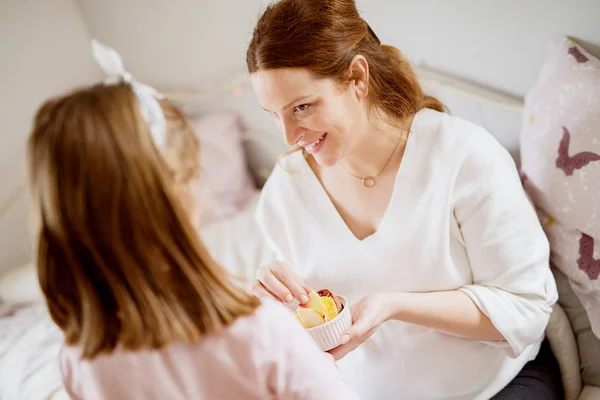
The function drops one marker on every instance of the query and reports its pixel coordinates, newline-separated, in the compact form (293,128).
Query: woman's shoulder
(463,154)
(449,128)
(453,138)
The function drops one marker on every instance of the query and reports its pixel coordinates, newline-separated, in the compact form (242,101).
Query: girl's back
(262,356)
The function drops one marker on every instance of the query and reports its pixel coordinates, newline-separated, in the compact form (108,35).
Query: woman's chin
(326,160)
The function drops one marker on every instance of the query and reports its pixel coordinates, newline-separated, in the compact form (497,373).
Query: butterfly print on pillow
(570,163)
(578,55)
(586,261)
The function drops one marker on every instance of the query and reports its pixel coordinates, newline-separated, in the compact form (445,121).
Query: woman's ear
(359,76)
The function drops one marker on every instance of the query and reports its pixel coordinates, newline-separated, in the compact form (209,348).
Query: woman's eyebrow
(290,104)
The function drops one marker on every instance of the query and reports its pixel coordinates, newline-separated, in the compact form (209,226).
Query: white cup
(328,335)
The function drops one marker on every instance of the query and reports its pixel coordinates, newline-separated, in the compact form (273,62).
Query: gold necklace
(369,181)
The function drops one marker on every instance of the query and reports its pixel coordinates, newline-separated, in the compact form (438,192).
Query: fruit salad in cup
(322,306)
(325,317)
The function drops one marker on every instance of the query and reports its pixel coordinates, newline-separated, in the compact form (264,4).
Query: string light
(232,87)
(237,91)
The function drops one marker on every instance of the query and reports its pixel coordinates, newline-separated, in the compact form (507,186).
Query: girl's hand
(367,314)
(278,281)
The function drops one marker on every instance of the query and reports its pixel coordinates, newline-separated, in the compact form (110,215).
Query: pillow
(237,243)
(560,161)
(226,184)
(19,286)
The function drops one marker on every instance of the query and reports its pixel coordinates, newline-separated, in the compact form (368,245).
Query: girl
(146,313)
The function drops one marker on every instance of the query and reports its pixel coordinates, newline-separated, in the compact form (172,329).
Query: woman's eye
(302,107)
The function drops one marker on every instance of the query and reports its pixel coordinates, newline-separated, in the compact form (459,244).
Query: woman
(417,217)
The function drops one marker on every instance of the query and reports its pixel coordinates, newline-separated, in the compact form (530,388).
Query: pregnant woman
(416,216)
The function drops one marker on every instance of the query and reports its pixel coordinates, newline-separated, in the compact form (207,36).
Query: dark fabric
(538,380)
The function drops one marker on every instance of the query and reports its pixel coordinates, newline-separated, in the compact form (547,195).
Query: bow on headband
(112,65)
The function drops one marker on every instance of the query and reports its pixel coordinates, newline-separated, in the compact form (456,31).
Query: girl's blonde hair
(181,154)
(119,261)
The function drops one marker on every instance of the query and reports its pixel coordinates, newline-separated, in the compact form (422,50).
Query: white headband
(112,65)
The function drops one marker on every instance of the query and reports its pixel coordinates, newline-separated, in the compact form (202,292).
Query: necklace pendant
(369,181)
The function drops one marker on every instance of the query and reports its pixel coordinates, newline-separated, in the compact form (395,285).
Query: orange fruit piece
(327,293)
(329,308)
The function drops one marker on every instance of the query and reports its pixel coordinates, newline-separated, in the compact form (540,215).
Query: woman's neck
(376,149)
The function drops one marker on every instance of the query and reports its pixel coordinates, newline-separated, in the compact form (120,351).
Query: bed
(29,345)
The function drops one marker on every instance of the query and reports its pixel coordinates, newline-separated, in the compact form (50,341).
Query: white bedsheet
(30,342)
(29,345)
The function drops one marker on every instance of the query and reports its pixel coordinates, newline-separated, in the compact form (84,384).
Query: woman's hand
(367,314)
(278,281)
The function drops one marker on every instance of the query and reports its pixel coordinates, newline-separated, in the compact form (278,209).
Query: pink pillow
(560,150)
(226,184)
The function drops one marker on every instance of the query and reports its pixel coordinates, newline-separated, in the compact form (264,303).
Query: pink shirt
(263,356)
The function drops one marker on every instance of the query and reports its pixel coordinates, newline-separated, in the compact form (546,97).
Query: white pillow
(237,243)
(20,286)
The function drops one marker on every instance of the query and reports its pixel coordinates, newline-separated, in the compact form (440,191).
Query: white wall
(499,43)
(44,50)
(195,45)
(175,43)
(201,43)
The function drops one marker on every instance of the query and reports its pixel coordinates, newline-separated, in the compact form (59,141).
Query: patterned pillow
(560,150)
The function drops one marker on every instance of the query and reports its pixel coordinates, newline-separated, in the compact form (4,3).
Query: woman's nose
(290,132)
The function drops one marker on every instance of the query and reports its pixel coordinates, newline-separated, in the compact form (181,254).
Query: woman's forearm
(451,312)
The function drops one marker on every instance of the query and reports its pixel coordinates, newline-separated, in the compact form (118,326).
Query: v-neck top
(319,190)
(458,219)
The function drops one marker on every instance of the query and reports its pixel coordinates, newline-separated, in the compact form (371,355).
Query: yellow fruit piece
(329,308)
(314,302)
(309,317)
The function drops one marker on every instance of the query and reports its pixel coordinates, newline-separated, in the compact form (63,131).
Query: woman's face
(320,115)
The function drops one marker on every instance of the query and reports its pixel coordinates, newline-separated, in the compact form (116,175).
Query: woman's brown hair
(119,261)
(323,36)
